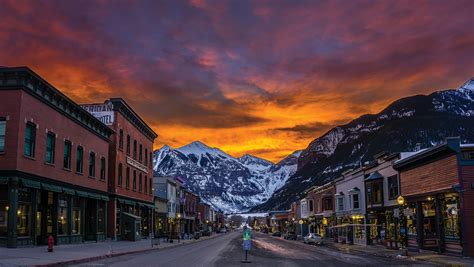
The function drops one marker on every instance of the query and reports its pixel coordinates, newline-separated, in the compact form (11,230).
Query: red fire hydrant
(50,243)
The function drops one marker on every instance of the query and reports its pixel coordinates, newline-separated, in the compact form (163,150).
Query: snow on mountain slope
(227,183)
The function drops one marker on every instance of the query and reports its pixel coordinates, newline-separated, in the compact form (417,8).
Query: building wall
(48,119)
(10,109)
(348,183)
(434,176)
(385,168)
(121,157)
(467,173)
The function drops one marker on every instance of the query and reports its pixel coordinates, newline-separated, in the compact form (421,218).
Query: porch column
(12,213)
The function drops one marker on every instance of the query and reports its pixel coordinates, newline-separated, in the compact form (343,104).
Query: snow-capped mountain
(227,183)
(421,120)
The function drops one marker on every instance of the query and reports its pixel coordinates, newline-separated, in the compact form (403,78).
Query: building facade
(437,186)
(130,168)
(53,164)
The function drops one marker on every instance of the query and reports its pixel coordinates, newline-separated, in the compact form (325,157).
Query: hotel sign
(103,112)
(137,164)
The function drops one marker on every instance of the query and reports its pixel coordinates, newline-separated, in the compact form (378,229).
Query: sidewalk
(78,253)
(380,251)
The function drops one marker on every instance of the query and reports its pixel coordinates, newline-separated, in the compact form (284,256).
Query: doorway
(91,220)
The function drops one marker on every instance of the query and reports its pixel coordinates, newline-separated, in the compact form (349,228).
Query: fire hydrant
(50,243)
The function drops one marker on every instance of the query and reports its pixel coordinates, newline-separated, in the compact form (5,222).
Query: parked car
(206,233)
(313,238)
(290,235)
(197,235)
(276,234)
(223,230)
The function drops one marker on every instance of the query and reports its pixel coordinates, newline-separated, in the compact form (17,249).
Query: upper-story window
(92,164)
(151,186)
(146,157)
(134,149)
(30,140)
(311,206)
(355,203)
(120,171)
(3,127)
(140,154)
(340,202)
(128,144)
(140,182)
(151,160)
(134,180)
(121,139)
(80,159)
(146,185)
(102,168)
(67,154)
(327,203)
(127,178)
(374,192)
(393,187)
(50,147)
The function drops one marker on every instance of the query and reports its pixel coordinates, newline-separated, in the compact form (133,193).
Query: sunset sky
(258,77)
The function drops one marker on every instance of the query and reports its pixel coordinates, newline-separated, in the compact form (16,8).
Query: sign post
(247,243)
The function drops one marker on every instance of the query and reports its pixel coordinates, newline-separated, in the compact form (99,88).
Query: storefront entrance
(91,220)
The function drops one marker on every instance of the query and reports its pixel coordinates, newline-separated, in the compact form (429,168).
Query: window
(92,164)
(140,153)
(119,179)
(134,149)
(355,201)
(127,178)
(3,127)
(311,206)
(121,139)
(76,216)
(151,160)
(30,139)
(50,147)
(465,155)
(79,159)
(146,185)
(393,187)
(140,182)
(327,203)
(128,144)
(134,180)
(102,168)
(62,214)
(67,154)
(340,203)
(146,156)
(24,212)
(374,193)
(151,186)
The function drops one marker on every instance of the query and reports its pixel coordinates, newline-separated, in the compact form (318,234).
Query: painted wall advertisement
(103,112)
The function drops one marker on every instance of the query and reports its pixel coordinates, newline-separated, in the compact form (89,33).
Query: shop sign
(103,112)
(137,164)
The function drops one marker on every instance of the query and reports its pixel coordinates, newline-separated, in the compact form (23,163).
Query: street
(226,250)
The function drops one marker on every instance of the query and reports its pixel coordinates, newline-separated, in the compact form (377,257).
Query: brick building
(437,187)
(53,164)
(130,168)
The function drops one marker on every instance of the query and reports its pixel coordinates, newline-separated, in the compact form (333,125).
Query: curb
(118,254)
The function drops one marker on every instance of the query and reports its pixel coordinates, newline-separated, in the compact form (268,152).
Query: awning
(103,197)
(374,176)
(82,193)
(69,191)
(52,188)
(30,183)
(3,180)
(95,196)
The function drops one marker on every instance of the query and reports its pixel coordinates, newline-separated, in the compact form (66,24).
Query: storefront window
(3,210)
(24,212)
(429,219)
(411,221)
(451,217)
(62,214)
(76,216)
(101,217)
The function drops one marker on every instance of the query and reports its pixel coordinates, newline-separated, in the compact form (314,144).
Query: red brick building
(130,168)
(437,186)
(53,164)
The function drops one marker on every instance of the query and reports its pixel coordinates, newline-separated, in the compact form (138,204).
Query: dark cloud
(312,129)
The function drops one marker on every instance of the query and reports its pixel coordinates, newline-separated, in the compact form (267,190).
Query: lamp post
(402,224)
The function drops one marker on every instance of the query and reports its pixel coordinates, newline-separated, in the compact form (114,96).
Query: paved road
(226,250)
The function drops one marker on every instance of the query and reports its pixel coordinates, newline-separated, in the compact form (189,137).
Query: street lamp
(402,223)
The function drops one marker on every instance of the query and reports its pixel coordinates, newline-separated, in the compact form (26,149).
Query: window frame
(67,159)
(3,134)
(121,139)
(128,145)
(103,169)
(80,159)
(127,178)
(134,182)
(120,174)
(52,148)
(391,181)
(31,142)
(92,164)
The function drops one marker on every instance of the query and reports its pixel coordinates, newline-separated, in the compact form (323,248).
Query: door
(91,220)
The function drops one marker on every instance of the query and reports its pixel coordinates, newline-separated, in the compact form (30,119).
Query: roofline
(30,89)
(408,161)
